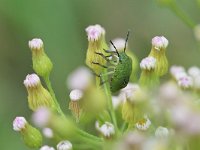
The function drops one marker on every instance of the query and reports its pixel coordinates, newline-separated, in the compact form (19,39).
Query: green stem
(48,83)
(181,14)
(109,99)
(85,134)
(123,127)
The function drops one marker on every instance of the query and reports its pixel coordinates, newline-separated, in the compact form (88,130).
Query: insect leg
(96,63)
(102,55)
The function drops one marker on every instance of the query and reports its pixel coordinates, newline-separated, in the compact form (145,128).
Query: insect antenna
(127,36)
(115,48)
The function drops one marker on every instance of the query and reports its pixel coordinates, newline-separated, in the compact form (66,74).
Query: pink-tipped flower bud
(19,123)
(148,63)
(159,42)
(185,82)
(35,44)
(32,81)
(94,32)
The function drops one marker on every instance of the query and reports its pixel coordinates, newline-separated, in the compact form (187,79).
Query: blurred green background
(61,24)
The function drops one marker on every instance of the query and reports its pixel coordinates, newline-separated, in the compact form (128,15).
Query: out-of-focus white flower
(162,132)
(194,71)
(148,63)
(76,95)
(47,132)
(64,145)
(128,91)
(119,44)
(154,144)
(177,71)
(185,82)
(94,32)
(46,147)
(79,79)
(143,124)
(19,123)
(107,129)
(41,117)
(35,44)
(159,42)
(116,101)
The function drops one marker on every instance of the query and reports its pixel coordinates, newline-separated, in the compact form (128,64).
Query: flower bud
(148,77)
(96,39)
(38,96)
(64,145)
(45,147)
(159,45)
(143,124)
(47,132)
(185,82)
(30,135)
(161,132)
(42,65)
(74,105)
(107,129)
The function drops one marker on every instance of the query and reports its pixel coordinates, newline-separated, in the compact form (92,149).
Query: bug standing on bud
(119,67)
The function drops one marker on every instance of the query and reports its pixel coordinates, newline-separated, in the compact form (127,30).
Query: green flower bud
(159,45)
(96,39)
(30,135)
(42,65)
(148,76)
(38,96)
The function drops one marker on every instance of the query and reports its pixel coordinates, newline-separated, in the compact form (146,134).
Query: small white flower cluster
(46,147)
(162,132)
(94,32)
(32,80)
(35,44)
(107,129)
(148,63)
(143,124)
(64,145)
(19,123)
(186,79)
(159,42)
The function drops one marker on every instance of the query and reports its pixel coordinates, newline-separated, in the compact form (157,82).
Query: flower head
(76,95)
(64,145)
(32,81)
(19,123)
(119,44)
(159,42)
(185,82)
(194,71)
(148,63)
(35,44)
(47,132)
(94,32)
(107,129)
(46,147)
(161,132)
(143,124)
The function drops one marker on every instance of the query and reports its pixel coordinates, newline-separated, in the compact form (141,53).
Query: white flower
(35,44)
(19,123)
(185,82)
(143,124)
(41,117)
(76,95)
(79,79)
(197,82)
(116,101)
(94,32)
(128,92)
(159,42)
(178,72)
(119,44)
(148,63)
(107,129)
(194,71)
(47,132)
(46,147)
(197,32)
(161,132)
(64,145)
(32,80)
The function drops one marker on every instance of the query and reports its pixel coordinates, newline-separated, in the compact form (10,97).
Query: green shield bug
(119,67)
